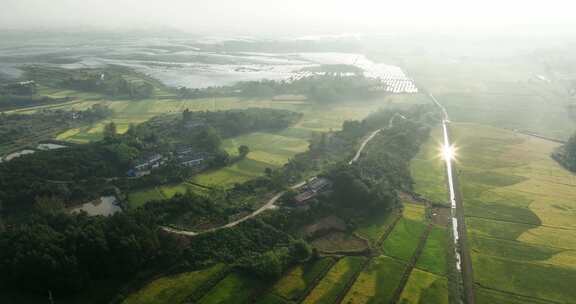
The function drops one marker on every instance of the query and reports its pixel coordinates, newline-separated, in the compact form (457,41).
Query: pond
(106,205)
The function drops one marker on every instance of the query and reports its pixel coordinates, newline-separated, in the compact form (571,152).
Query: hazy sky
(297,16)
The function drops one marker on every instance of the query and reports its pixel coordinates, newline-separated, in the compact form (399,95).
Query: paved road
(462,253)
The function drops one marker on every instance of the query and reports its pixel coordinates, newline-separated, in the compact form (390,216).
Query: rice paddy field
(427,170)
(173,289)
(520,214)
(425,287)
(234,288)
(493,90)
(333,284)
(374,227)
(402,241)
(267,149)
(434,256)
(376,283)
(293,285)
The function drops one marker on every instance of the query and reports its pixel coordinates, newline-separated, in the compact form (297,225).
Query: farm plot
(519,212)
(433,257)
(372,228)
(234,288)
(414,212)
(425,287)
(333,284)
(427,170)
(174,289)
(403,240)
(474,90)
(339,242)
(377,282)
(298,280)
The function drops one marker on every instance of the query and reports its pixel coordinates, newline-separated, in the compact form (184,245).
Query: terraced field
(521,216)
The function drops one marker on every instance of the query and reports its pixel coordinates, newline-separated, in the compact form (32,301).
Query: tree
(210,139)
(110,131)
(243,150)
(300,250)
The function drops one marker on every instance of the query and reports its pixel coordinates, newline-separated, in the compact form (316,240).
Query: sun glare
(448,152)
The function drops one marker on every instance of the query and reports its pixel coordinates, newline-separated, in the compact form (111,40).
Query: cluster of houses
(184,156)
(311,189)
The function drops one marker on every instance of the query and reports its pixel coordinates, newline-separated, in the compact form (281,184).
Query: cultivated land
(234,288)
(334,283)
(377,282)
(425,287)
(428,172)
(267,149)
(299,279)
(520,215)
(494,92)
(174,289)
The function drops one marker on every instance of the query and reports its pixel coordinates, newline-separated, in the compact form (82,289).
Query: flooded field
(192,64)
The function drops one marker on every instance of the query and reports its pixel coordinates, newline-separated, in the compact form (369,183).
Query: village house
(145,165)
(311,189)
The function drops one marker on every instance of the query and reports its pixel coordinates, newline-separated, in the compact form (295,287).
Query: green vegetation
(425,287)
(372,227)
(299,279)
(434,255)
(83,172)
(112,81)
(519,216)
(19,131)
(174,289)
(489,296)
(234,288)
(332,285)
(377,282)
(538,281)
(428,172)
(403,240)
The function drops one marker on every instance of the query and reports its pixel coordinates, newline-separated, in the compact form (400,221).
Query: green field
(377,283)
(298,279)
(427,170)
(403,240)
(140,197)
(372,228)
(434,255)
(333,284)
(234,288)
(520,215)
(173,289)
(425,287)
(494,92)
(414,212)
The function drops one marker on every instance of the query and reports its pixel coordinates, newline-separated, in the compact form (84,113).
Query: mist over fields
(282,152)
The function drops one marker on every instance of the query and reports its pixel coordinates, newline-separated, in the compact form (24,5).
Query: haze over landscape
(287,152)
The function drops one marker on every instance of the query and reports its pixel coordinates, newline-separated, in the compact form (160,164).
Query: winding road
(270,203)
(461,252)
